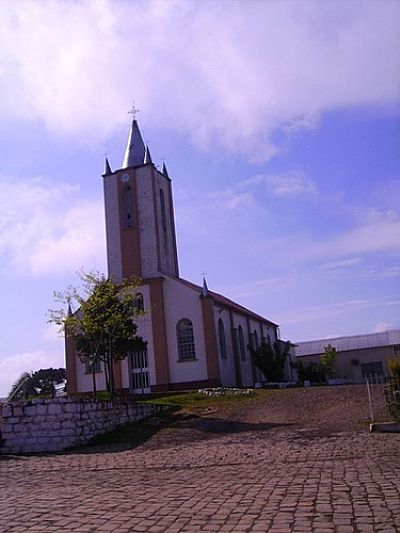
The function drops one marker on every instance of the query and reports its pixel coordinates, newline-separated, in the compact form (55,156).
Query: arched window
(256,344)
(138,302)
(127,207)
(222,339)
(242,347)
(163,214)
(185,340)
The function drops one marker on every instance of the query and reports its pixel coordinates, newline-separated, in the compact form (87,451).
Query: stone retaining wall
(54,425)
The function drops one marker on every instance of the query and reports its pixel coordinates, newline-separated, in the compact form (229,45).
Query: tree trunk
(94,381)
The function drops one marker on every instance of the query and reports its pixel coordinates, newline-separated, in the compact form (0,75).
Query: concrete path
(276,479)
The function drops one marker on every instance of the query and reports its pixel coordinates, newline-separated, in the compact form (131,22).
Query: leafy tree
(271,358)
(394,366)
(102,325)
(328,361)
(310,372)
(40,383)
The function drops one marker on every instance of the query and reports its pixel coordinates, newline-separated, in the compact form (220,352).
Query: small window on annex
(242,347)
(185,340)
(222,339)
(163,213)
(138,304)
(127,210)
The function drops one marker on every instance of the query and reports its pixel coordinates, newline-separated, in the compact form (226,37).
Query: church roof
(354,342)
(135,149)
(224,301)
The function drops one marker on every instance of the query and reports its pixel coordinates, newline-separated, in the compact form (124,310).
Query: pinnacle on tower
(135,149)
(165,171)
(204,290)
(69,311)
(147,156)
(107,168)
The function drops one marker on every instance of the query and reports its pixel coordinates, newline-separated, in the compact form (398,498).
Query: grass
(190,403)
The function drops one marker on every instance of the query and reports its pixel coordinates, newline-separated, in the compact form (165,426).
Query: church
(195,337)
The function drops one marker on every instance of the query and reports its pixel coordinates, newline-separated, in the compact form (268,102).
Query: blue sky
(279,125)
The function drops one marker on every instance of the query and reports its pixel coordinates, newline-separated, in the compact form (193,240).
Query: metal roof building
(354,342)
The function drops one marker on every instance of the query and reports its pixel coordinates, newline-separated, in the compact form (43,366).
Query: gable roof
(224,301)
(354,342)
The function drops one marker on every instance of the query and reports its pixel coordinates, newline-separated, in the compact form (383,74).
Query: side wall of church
(226,364)
(245,361)
(183,302)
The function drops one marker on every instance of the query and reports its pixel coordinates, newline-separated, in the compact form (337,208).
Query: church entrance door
(139,372)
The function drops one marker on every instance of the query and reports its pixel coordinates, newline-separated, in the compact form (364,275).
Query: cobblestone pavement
(263,479)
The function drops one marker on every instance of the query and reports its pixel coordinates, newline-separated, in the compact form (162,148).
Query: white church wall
(245,366)
(84,379)
(144,330)
(113,228)
(147,223)
(180,302)
(226,365)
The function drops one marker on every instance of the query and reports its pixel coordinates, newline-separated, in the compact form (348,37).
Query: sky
(279,125)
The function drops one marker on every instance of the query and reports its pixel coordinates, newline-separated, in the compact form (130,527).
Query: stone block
(13,420)
(71,408)
(30,410)
(18,411)
(7,411)
(54,409)
(41,409)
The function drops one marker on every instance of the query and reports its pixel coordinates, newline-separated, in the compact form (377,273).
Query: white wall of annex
(180,302)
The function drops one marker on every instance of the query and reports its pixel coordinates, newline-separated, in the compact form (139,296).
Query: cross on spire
(134,110)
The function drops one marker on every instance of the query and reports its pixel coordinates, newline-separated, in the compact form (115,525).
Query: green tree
(103,325)
(23,388)
(271,358)
(308,372)
(328,361)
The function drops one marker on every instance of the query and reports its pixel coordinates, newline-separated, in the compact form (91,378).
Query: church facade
(195,337)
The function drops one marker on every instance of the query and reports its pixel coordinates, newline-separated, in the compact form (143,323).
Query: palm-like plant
(23,388)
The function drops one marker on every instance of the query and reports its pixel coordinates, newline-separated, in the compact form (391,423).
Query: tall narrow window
(127,207)
(163,214)
(255,337)
(222,339)
(242,347)
(138,302)
(185,340)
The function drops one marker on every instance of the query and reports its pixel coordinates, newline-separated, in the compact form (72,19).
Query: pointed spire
(165,171)
(107,168)
(69,312)
(135,149)
(204,290)
(147,156)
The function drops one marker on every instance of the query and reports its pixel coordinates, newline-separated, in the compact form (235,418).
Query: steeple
(135,149)
(165,171)
(107,168)
(147,156)
(204,290)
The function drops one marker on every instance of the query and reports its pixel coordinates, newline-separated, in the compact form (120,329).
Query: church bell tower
(140,226)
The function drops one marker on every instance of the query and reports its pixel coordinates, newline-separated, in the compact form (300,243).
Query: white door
(139,372)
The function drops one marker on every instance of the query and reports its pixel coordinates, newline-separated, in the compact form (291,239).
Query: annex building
(358,356)
(195,337)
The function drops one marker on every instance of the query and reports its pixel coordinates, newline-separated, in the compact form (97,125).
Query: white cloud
(12,366)
(293,184)
(383,326)
(226,73)
(48,229)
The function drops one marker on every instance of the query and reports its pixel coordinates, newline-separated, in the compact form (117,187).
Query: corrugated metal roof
(355,342)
